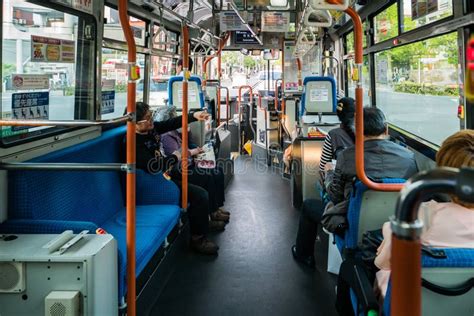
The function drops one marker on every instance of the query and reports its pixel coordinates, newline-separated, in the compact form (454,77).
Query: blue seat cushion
(153,224)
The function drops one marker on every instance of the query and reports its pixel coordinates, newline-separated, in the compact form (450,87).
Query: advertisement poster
(278,22)
(421,8)
(83,5)
(30,106)
(108,102)
(30,82)
(229,21)
(46,49)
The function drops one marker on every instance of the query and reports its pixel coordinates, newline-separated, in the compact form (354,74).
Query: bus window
(365,79)
(113,29)
(115,78)
(44,51)
(417,87)
(386,24)
(416,16)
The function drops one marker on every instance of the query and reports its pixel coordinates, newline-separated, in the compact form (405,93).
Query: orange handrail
(300,67)
(359,146)
(219,74)
(131,160)
(208,59)
(184,144)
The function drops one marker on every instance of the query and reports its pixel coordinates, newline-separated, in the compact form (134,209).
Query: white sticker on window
(319,95)
(30,82)
(192,96)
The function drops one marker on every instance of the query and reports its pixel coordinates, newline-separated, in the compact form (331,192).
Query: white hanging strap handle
(161,30)
(321,18)
(324,5)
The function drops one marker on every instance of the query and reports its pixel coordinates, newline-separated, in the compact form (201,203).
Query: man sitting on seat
(383,159)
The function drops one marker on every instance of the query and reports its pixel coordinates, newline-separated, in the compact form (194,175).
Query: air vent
(62,303)
(12,278)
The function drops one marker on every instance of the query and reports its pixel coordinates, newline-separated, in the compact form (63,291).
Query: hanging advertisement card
(83,5)
(278,22)
(46,49)
(30,82)
(230,21)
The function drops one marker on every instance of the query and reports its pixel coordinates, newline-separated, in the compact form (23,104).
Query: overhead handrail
(161,29)
(131,156)
(407,228)
(184,144)
(359,141)
(323,18)
(69,123)
(329,4)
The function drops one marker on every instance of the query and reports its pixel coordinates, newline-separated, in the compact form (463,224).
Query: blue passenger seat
(368,210)
(453,276)
(53,201)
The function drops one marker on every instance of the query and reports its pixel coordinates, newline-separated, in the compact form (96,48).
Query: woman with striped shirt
(339,138)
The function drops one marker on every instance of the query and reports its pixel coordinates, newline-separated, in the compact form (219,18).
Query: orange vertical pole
(283,79)
(219,74)
(131,160)
(184,144)
(406,277)
(300,67)
(359,148)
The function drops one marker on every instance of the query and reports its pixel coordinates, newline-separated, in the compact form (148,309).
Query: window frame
(53,131)
(449,24)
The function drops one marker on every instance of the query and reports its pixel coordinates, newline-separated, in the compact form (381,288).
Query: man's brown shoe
(204,246)
(223,212)
(216,226)
(217,216)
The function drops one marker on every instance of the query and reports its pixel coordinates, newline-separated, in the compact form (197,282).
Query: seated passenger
(151,159)
(210,179)
(383,159)
(179,66)
(446,225)
(339,138)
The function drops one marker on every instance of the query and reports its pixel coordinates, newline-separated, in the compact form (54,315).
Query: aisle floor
(254,273)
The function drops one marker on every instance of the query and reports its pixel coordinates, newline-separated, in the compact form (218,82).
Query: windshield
(275,75)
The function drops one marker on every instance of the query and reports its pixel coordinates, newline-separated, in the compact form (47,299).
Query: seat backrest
(66,195)
(368,210)
(195,95)
(454,270)
(195,101)
(319,95)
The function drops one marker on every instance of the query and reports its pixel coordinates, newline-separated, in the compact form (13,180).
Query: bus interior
(258,87)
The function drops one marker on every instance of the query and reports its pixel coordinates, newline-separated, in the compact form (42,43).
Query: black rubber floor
(254,273)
